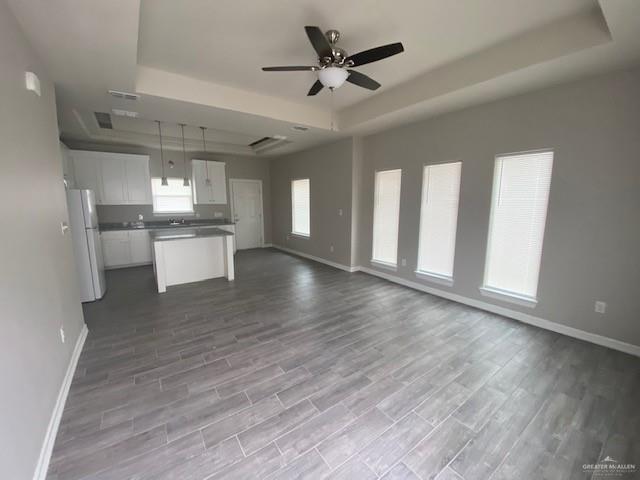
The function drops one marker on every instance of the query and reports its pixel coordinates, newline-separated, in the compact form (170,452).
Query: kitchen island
(188,255)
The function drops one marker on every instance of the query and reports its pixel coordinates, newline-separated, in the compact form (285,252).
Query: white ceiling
(198,61)
(227,41)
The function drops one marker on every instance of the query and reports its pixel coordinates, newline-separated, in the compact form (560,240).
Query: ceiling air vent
(260,142)
(299,128)
(124,113)
(268,143)
(124,95)
(104,120)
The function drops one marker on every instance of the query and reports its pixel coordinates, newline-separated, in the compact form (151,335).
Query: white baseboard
(317,259)
(56,416)
(506,312)
(129,265)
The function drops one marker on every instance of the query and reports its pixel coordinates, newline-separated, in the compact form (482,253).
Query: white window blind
(439,219)
(386,213)
(518,213)
(172,198)
(300,204)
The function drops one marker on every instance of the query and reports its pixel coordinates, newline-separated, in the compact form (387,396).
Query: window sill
(386,265)
(435,278)
(172,214)
(300,235)
(510,297)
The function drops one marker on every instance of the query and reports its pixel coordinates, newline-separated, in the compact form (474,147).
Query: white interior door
(247,212)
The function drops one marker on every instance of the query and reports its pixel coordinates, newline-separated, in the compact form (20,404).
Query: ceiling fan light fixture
(333,77)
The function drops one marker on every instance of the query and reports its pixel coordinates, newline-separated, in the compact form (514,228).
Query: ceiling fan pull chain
(331,107)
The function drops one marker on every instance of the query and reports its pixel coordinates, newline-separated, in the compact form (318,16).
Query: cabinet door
(87,175)
(201,191)
(140,246)
(113,179)
(116,249)
(218,183)
(138,180)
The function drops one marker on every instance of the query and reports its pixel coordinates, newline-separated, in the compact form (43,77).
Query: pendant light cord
(204,146)
(184,157)
(161,151)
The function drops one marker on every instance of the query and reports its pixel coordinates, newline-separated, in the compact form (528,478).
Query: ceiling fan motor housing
(334,61)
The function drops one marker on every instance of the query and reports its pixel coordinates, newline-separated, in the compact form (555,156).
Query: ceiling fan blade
(362,80)
(375,54)
(319,42)
(289,69)
(315,88)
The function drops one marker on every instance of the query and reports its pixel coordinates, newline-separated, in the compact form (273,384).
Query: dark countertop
(156,225)
(186,233)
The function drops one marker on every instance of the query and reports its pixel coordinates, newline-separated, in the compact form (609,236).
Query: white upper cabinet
(138,179)
(117,178)
(87,172)
(214,193)
(113,180)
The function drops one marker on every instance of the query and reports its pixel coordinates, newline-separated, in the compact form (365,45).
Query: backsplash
(129,213)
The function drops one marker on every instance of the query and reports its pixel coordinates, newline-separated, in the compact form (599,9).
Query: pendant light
(164,180)
(207,180)
(184,158)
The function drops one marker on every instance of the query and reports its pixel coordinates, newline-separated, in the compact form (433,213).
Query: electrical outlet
(340,211)
(217,214)
(404,262)
(62,334)
(601,307)
(331,248)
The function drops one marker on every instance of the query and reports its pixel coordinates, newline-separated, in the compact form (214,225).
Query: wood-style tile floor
(298,370)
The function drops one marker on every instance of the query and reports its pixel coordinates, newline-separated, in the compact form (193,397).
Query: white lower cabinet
(128,248)
(124,248)
(140,246)
(116,248)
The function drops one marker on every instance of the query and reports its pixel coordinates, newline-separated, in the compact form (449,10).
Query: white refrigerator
(87,247)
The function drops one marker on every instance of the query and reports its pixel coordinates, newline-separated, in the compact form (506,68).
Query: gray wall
(329,171)
(236,167)
(38,285)
(593,229)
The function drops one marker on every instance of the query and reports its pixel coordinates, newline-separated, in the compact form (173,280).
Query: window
(386,213)
(439,219)
(518,212)
(300,201)
(172,198)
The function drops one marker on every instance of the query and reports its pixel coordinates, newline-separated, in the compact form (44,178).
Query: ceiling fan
(334,65)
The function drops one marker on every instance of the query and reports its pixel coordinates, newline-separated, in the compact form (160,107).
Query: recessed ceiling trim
(151,81)
(566,36)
